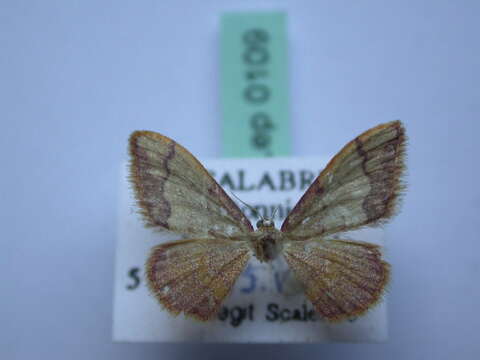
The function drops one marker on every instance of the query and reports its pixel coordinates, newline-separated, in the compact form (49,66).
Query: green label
(254,85)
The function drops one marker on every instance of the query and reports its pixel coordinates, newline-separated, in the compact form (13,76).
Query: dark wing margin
(360,186)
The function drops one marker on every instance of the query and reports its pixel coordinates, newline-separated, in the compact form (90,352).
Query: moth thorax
(267,247)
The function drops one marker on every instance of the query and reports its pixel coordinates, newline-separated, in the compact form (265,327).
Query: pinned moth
(342,278)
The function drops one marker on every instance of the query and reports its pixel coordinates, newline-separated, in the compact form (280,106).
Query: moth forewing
(176,193)
(359,187)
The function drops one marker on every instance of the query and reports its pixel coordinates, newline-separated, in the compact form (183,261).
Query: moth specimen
(342,278)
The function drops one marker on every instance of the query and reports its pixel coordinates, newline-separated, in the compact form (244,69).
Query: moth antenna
(274,212)
(249,206)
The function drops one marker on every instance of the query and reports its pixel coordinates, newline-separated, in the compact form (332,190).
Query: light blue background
(76,77)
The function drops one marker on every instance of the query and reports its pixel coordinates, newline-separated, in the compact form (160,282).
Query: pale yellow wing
(175,192)
(342,279)
(194,276)
(360,186)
